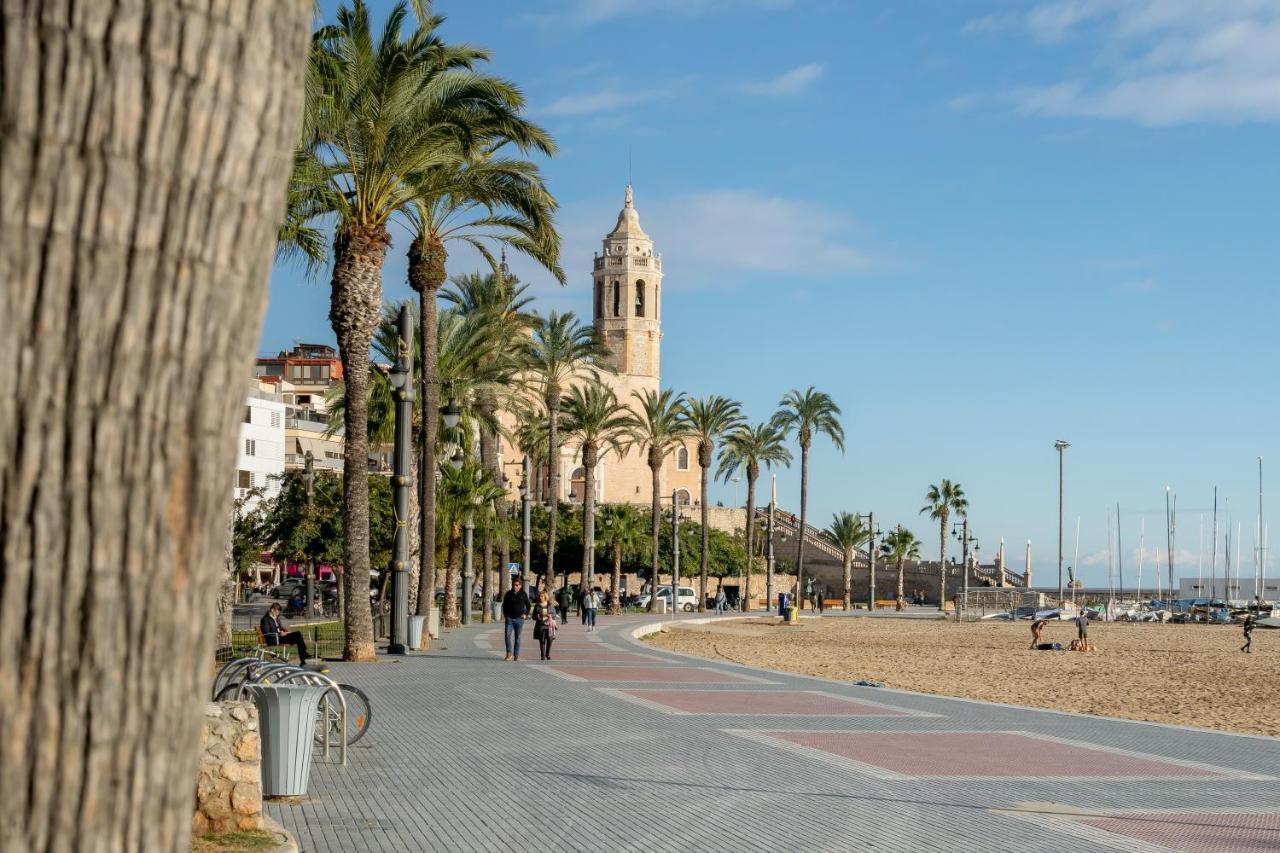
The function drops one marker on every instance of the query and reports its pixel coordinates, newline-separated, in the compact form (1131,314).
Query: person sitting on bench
(273,633)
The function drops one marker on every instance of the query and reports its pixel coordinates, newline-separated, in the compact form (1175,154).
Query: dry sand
(1190,675)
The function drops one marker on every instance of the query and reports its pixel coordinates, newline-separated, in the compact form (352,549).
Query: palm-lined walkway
(615,746)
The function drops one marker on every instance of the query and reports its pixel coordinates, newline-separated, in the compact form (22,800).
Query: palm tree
(849,531)
(808,413)
(658,426)
(478,201)
(623,531)
(600,424)
(900,545)
(747,448)
(498,304)
(944,499)
(709,418)
(561,350)
(464,494)
(380,111)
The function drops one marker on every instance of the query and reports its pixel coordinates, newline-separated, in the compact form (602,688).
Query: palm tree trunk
(901,584)
(143,188)
(588,521)
(706,545)
(848,581)
(426,276)
(355,308)
(489,458)
(615,607)
(804,510)
(451,619)
(553,483)
(657,513)
(942,570)
(745,592)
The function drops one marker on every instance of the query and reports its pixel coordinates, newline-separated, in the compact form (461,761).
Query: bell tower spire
(628,296)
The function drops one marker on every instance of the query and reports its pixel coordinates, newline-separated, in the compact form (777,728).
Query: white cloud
(792,82)
(1140,287)
(585,13)
(602,101)
(1158,62)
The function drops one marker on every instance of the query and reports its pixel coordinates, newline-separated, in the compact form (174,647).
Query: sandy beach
(1191,675)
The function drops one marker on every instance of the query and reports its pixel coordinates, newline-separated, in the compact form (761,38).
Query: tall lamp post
(769,558)
(468,565)
(675,553)
(871,557)
(308,480)
(401,481)
(965,539)
(1060,446)
(526,541)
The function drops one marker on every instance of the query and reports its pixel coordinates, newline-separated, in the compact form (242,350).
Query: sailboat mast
(1119,552)
(1075,562)
(1142,554)
(1213,561)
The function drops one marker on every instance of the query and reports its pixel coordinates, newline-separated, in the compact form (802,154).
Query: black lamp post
(965,540)
(871,556)
(308,480)
(401,378)
(526,540)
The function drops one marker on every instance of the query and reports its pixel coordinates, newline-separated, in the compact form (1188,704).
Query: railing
(318,461)
(819,538)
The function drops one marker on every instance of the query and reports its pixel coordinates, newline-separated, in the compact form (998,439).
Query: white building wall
(260,445)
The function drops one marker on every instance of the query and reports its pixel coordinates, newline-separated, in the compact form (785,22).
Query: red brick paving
(674,674)
(600,656)
(982,754)
(1198,832)
(760,702)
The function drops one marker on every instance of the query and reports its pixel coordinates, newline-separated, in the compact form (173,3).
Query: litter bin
(287,722)
(784,606)
(417,624)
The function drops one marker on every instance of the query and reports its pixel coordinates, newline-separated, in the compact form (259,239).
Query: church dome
(628,220)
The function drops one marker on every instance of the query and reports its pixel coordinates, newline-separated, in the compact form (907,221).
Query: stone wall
(229,783)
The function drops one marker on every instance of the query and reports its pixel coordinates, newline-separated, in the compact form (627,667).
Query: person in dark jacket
(1249,622)
(562,603)
(515,607)
(274,633)
(544,625)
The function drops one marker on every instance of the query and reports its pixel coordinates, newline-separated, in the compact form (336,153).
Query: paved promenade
(617,747)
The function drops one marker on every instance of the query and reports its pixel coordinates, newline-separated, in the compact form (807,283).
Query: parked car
(687,600)
(288,588)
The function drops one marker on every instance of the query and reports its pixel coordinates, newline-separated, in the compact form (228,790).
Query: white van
(686,600)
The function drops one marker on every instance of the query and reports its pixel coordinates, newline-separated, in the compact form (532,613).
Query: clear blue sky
(979,226)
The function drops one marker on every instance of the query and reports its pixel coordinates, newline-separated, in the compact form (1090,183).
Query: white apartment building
(260,450)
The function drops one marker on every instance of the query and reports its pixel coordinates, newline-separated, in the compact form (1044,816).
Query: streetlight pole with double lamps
(769,560)
(401,379)
(871,557)
(965,539)
(1060,446)
(526,540)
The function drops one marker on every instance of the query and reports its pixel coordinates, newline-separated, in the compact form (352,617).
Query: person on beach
(1037,628)
(1082,630)
(515,607)
(544,625)
(1247,648)
(720,602)
(590,603)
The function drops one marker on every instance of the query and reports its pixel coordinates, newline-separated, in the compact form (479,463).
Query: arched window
(640,298)
(617,300)
(577,485)
(682,495)
(682,459)
(599,306)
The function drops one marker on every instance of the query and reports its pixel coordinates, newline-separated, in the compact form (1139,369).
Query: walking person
(590,603)
(562,603)
(544,625)
(1247,648)
(274,633)
(515,607)
(583,594)
(720,602)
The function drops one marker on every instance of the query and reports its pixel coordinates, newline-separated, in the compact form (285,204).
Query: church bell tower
(628,297)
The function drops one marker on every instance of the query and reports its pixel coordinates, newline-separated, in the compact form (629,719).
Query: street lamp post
(308,479)
(769,560)
(526,541)
(675,553)
(871,557)
(401,481)
(1060,446)
(468,570)
(965,539)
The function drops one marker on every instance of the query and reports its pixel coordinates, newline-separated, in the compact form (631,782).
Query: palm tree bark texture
(144,163)
(426,276)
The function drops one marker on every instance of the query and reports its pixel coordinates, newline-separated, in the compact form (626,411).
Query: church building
(627,313)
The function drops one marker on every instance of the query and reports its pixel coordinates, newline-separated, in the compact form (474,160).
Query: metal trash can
(417,624)
(287,721)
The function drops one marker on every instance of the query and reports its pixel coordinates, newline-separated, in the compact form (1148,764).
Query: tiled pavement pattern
(471,752)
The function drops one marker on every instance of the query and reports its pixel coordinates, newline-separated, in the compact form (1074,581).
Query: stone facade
(229,782)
